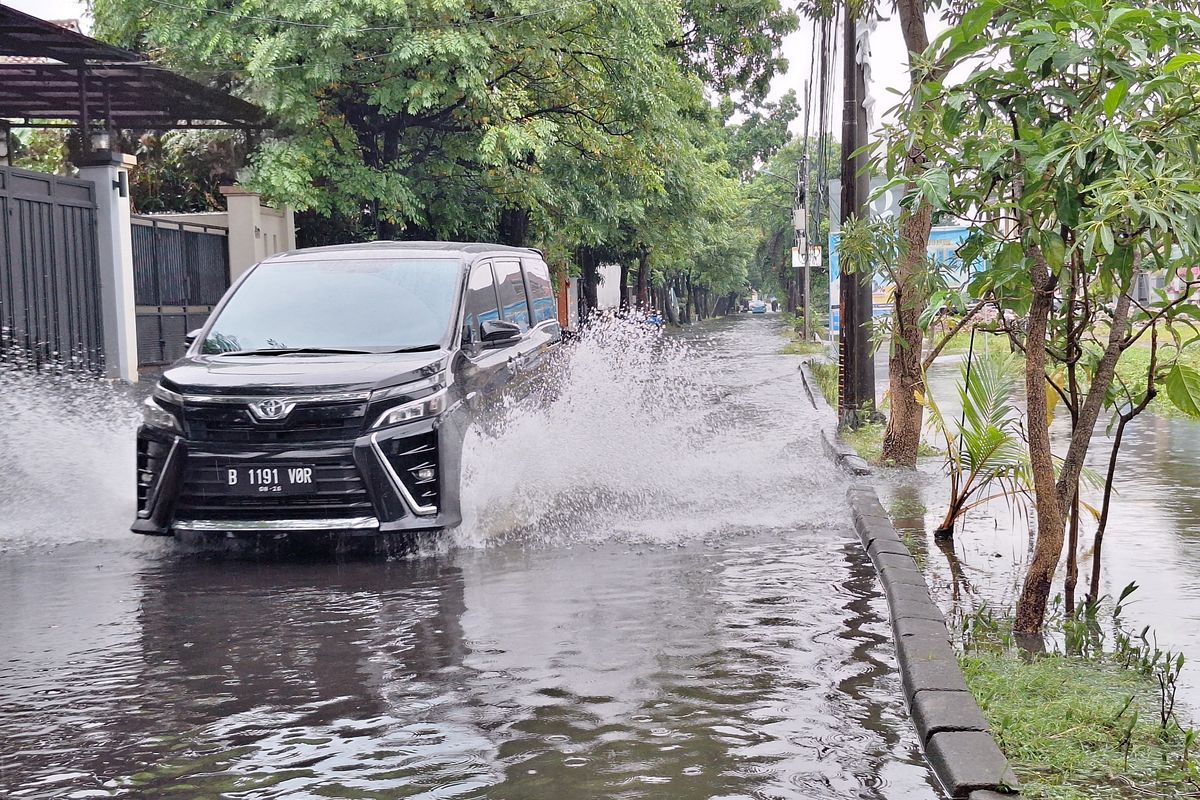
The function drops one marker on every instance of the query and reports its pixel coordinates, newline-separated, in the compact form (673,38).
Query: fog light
(425,474)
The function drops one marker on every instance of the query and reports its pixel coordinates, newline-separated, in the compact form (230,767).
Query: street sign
(814,256)
(796,258)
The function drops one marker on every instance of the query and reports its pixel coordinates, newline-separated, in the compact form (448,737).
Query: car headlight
(429,406)
(155,416)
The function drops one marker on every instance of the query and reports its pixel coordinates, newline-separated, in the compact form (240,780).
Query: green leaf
(934,184)
(1180,61)
(1107,239)
(1114,96)
(1183,387)
(1055,250)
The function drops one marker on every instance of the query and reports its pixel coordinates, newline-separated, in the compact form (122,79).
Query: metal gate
(50,312)
(180,271)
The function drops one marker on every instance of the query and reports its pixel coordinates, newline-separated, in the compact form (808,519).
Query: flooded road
(654,594)
(1153,535)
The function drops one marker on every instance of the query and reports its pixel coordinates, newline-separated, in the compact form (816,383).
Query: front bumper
(368,485)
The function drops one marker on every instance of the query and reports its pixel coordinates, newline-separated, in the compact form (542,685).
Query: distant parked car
(758,307)
(331,388)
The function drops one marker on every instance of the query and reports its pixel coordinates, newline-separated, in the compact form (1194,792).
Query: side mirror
(191,336)
(496,332)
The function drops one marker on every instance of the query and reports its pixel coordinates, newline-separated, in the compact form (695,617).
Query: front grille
(151,458)
(339,493)
(410,457)
(306,423)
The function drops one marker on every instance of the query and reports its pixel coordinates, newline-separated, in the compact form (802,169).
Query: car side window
(511,285)
(481,303)
(541,292)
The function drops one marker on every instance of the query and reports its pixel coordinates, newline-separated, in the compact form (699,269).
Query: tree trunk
(1072,577)
(588,280)
(643,277)
(1031,608)
(905,376)
(1053,499)
(514,227)
(624,287)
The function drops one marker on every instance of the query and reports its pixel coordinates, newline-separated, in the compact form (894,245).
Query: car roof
(468,250)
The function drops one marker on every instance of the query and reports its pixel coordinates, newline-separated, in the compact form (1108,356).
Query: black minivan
(331,388)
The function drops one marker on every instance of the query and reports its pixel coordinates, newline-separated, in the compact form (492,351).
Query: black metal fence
(180,271)
(50,312)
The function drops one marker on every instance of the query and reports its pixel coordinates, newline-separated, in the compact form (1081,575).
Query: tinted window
(481,301)
(513,304)
(541,295)
(369,305)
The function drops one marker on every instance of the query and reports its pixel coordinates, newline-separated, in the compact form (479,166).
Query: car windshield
(366,306)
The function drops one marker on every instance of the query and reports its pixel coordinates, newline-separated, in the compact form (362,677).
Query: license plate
(268,479)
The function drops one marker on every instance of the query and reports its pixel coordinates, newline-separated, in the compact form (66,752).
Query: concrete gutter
(954,734)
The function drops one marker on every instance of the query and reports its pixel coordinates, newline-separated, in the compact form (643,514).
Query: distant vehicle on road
(758,307)
(331,388)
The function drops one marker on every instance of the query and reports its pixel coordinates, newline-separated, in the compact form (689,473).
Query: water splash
(631,434)
(653,438)
(67,450)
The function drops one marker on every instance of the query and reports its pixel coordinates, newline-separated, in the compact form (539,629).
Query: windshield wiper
(283,351)
(421,348)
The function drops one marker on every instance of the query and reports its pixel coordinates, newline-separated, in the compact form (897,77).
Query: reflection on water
(1153,534)
(675,609)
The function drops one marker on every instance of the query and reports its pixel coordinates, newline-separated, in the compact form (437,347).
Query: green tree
(1071,145)
(908,271)
(41,150)
(446,119)
(760,134)
(183,171)
(771,196)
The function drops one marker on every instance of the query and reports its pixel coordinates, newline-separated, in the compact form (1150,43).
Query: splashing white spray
(650,438)
(653,438)
(67,449)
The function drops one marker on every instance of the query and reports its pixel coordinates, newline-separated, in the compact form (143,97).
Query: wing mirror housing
(191,336)
(496,332)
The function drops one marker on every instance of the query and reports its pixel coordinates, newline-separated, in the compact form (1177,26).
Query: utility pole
(800,225)
(806,254)
(856,376)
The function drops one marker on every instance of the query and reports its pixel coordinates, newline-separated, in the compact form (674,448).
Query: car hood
(290,374)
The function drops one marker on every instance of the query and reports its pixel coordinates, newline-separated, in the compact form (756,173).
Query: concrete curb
(954,734)
(842,453)
(958,744)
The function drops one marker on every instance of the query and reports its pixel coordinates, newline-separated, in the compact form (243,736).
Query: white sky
(889,68)
(52,9)
(889,58)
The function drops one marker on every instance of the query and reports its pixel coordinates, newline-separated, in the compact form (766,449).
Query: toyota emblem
(271,410)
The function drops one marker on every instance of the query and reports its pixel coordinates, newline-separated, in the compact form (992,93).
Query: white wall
(608,293)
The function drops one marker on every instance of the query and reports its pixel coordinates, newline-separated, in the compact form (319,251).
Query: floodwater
(1153,534)
(655,594)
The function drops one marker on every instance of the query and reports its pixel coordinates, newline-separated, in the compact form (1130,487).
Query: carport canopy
(51,76)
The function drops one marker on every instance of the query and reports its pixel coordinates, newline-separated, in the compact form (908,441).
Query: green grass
(826,376)
(959,342)
(867,440)
(1134,363)
(1063,721)
(799,348)
(796,345)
